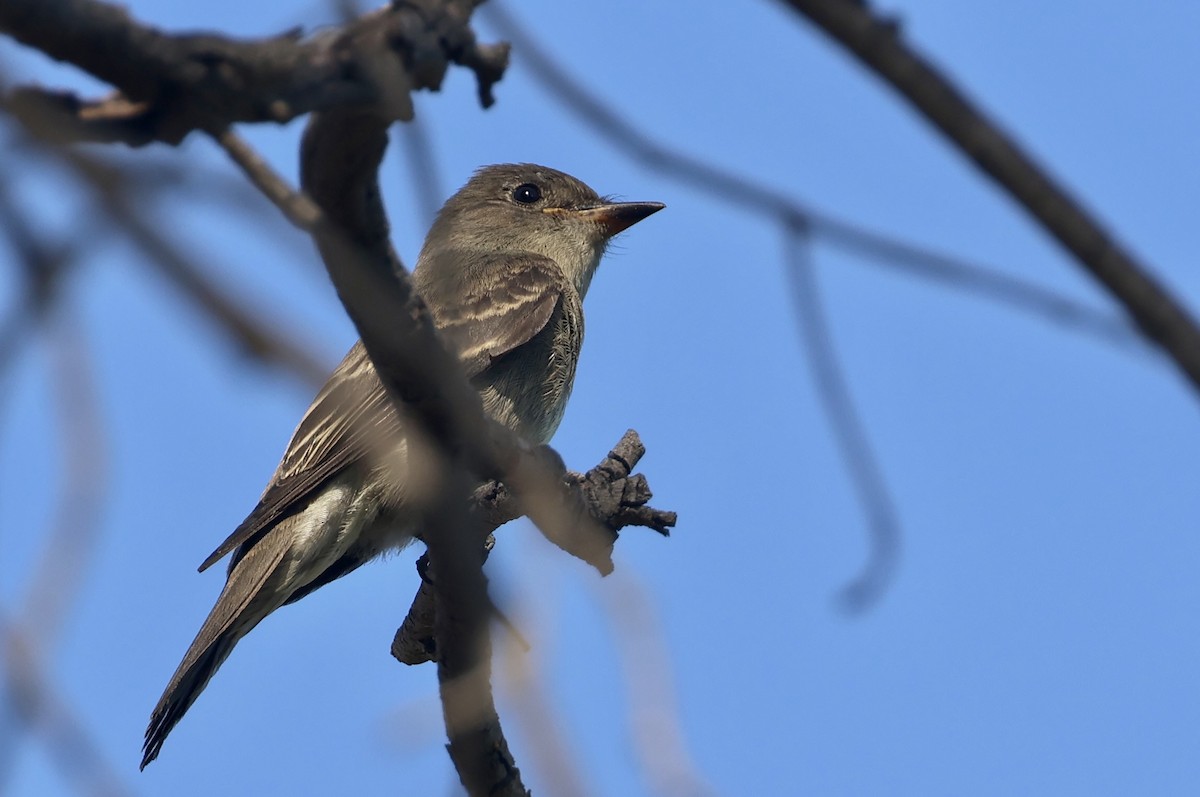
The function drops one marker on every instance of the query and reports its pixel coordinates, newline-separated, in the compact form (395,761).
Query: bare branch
(848,428)
(70,545)
(876,41)
(170,85)
(609,492)
(417,145)
(298,208)
(653,701)
(115,200)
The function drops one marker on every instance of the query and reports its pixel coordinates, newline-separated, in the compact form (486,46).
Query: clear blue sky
(1039,636)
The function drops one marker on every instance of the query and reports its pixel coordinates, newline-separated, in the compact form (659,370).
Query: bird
(503,271)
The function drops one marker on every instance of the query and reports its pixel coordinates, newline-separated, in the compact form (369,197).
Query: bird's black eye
(527,193)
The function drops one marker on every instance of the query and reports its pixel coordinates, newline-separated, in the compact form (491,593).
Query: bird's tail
(250,594)
(202,660)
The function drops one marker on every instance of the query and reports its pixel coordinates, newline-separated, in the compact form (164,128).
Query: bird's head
(529,208)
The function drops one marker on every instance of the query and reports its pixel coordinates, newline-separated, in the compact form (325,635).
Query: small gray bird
(504,271)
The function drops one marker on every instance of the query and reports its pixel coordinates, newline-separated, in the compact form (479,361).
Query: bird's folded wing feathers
(352,411)
(510,301)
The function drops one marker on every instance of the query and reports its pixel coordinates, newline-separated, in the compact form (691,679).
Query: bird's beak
(613,216)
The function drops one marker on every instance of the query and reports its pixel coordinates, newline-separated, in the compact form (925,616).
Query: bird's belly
(531,407)
(527,389)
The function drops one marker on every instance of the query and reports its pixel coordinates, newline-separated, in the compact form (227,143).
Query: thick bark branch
(609,492)
(877,43)
(171,84)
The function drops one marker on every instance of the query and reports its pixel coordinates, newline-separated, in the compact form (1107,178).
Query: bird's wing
(508,300)
(485,320)
(349,412)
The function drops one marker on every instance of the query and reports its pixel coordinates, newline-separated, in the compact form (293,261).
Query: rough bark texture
(169,85)
(609,492)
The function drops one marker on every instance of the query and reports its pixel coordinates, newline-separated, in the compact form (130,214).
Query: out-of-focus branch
(39,709)
(259,339)
(41,264)
(56,581)
(417,145)
(169,85)
(848,429)
(877,42)
(653,703)
(116,201)
(744,194)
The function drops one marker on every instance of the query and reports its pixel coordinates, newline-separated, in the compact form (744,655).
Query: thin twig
(296,206)
(244,326)
(57,579)
(169,85)
(853,442)
(656,728)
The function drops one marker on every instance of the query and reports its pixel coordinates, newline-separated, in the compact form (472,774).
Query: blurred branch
(549,741)
(40,710)
(14,330)
(848,429)
(169,85)
(56,582)
(746,195)
(653,708)
(71,542)
(876,41)
(427,192)
(41,267)
(115,201)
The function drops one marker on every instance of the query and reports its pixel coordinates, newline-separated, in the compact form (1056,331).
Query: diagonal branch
(848,428)
(877,42)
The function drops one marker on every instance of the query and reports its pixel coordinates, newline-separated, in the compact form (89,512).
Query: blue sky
(1038,636)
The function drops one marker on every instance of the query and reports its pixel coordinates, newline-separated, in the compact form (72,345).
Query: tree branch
(609,492)
(876,42)
(171,84)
